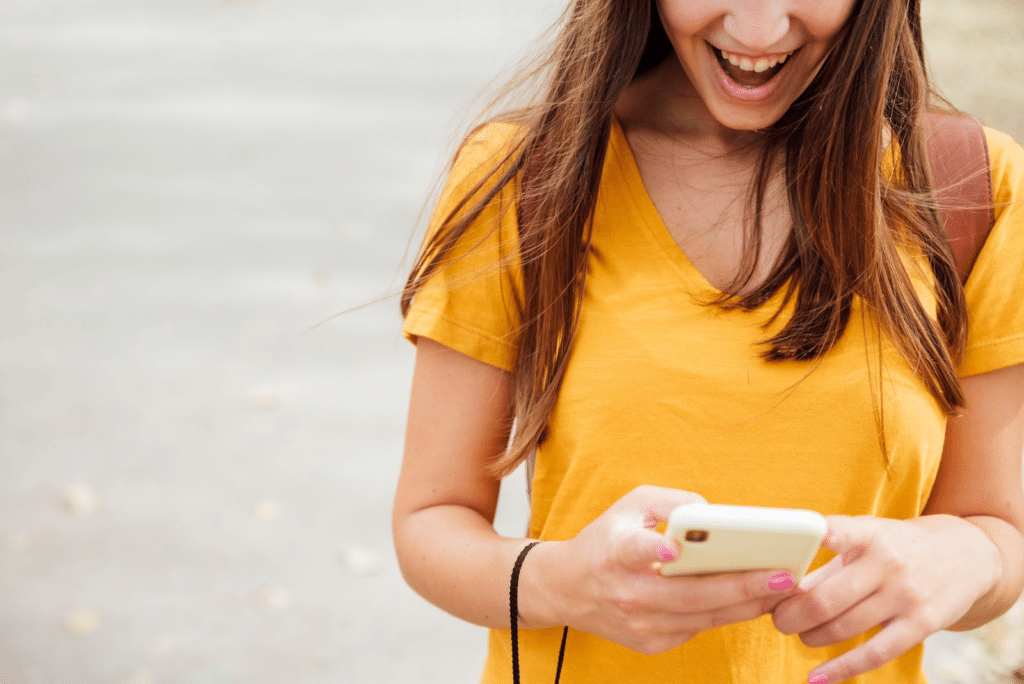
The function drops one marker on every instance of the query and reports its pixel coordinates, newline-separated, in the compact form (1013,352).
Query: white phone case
(716,538)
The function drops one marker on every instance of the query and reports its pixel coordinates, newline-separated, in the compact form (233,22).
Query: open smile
(748,71)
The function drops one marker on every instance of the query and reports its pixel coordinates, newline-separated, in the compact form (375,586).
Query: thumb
(655,504)
(641,548)
(638,543)
(848,536)
(830,569)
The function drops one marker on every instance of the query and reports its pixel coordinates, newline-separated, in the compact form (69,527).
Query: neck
(664,101)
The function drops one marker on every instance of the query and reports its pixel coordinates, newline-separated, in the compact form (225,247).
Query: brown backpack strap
(962,178)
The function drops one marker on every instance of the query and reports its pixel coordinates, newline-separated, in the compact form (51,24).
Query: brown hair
(850,220)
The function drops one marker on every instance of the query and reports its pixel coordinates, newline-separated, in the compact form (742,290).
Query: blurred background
(195,483)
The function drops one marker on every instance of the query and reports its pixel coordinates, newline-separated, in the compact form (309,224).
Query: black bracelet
(513,613)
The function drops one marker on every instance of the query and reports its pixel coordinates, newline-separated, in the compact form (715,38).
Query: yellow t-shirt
(663,389)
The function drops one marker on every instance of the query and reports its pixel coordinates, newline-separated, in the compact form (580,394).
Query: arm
(459,419)
(602,581)
(980,481)
(958,566)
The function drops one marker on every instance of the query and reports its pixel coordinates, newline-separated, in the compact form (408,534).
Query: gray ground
(194,486)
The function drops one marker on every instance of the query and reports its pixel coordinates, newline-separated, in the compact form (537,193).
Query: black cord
(513,609)
(561,654)
(513,613)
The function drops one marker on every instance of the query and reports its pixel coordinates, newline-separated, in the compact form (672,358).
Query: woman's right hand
(605,581)
(602,581)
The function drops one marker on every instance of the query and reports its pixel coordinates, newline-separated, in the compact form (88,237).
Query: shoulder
(472,279)
(492,138)
(1007,161)
(477,166)
(486,147)
(995,336)
(1003,145)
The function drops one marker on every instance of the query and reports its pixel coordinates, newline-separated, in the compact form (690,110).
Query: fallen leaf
(268,509)
(272,599)
(321,277)
(142,676)
(22,542)
(81,499)
(362,560)
(81,621)
(264,400)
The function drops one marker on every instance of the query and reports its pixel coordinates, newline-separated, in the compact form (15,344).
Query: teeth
(757,66)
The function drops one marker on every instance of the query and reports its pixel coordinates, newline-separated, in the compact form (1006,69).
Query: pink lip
(771,55)
(737,92)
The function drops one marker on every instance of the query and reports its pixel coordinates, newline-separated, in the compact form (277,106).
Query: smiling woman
(708,264)
(749,62)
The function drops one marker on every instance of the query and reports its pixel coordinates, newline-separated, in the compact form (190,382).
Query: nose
(758,25)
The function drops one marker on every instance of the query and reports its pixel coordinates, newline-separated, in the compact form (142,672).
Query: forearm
(452,556)
(1007,590)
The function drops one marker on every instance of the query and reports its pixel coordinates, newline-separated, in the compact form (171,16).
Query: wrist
(540,601)
(988,567)
(995,552)
(1005,587)
(983,550)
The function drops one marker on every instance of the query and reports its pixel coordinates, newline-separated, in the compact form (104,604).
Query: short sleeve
(468,304)
(995,288)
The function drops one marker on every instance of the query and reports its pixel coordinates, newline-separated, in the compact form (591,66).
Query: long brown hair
(850,220)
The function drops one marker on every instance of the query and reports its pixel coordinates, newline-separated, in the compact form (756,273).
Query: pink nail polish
(818,678)
(781,582)
(666,552)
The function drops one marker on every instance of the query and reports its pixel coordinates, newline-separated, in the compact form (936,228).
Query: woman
(706,264)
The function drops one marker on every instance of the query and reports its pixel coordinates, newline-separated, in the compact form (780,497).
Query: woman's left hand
(911,577)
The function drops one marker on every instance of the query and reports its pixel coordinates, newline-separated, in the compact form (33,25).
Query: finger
(689,594)
(848,536)
(740,612)
(869,613)
(639,549)
(891,642)
(832,596)
(655,504)
(813,579)
(681,623)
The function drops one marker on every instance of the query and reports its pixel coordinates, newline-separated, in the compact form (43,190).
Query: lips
(748,71)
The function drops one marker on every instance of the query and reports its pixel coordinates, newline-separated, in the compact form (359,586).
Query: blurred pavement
(194,485)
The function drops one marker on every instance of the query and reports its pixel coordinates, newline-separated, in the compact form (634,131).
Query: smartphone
(716,538)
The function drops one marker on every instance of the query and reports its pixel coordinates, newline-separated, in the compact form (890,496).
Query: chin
(743,119)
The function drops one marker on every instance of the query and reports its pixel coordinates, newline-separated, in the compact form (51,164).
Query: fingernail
(781,582)
(666,552)
(818,678)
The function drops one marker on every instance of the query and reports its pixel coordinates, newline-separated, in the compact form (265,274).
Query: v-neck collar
(653,223)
